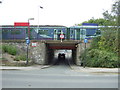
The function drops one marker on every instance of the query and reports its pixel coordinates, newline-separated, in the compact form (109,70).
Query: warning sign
(34,44)
(62,36)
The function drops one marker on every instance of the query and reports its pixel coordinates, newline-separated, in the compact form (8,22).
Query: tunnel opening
(49,52)
(62,52)
(61,57)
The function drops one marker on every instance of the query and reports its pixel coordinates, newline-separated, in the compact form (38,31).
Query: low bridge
(70,45)
(45,51)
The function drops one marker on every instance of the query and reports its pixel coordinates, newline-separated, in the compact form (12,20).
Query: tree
(104,50)
(111,18)
(114,15)
(100,21)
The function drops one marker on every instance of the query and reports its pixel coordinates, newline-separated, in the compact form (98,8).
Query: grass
(20,58)
(9,49)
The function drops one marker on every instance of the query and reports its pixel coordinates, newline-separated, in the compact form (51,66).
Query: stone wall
(39,53)
(42,55)
(79,50)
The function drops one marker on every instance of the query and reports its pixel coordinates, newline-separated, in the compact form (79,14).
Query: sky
(54,12)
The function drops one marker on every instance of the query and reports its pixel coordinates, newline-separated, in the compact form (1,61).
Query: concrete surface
(73,67)
(90,69)
(23,68)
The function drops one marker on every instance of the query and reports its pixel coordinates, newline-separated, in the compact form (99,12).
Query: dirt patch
(9,60)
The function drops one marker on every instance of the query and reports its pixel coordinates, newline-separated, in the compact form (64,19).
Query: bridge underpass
(46,51)
(71,50)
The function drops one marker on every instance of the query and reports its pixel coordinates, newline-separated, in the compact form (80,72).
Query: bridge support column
(74,56)
(78,62)
(39,54)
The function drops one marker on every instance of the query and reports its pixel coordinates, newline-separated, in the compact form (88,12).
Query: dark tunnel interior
(61,57)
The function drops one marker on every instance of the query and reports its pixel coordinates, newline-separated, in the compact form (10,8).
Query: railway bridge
(45,51)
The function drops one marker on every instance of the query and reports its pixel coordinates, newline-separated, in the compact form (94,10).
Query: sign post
(27,43)
(62,36)
(85,41)
(28,38)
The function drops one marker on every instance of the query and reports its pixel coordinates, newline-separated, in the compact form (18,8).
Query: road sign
(62,36)
(85,41)
(34,44)
(28,41)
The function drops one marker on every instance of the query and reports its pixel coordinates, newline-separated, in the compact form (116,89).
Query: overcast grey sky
(54,12)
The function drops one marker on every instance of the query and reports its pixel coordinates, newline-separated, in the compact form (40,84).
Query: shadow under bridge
(56,48)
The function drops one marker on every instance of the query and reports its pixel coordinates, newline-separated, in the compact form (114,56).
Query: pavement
(24,68)
(74,67)
(95,70)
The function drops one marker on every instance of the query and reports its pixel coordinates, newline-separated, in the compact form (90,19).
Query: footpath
(73,67)
(96,70)
(34,67)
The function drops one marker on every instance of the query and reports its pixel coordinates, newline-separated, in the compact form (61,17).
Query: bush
(100,58)
(9,49)
(94,43)
(20,57)
(4,48)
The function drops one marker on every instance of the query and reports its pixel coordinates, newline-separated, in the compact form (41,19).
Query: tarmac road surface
(58,76)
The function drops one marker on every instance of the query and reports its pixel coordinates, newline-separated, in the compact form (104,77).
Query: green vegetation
(100,21)
(100,56)
(9,49)
(104,49)
(111,18)
(12,50)
(20,57)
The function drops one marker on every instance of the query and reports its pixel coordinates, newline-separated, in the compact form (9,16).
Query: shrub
(94,43)
(9,49)
(100,58)
(4,48)
(20,57)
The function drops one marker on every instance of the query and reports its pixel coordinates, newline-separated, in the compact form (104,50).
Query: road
(58,76)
